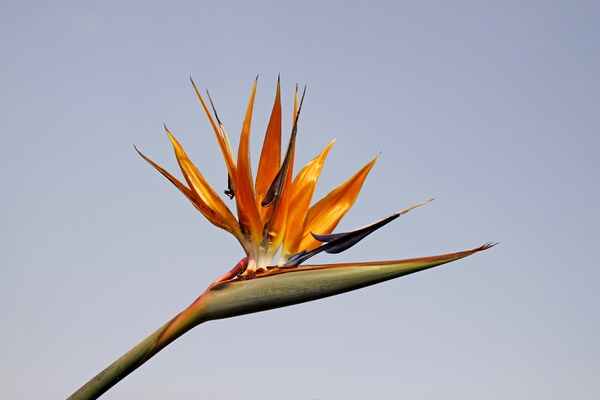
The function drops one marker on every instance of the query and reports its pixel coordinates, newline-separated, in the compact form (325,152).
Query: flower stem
(147,348)
(118,370)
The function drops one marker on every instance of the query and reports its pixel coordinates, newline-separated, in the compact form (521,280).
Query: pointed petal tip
(213,107)
(194,85)
(139,152)
(169,134)
(486,246)
(413,207)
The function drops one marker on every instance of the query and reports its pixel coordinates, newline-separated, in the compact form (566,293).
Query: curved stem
(147,348)
(118,370)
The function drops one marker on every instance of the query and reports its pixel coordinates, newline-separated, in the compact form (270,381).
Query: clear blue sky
(493,108)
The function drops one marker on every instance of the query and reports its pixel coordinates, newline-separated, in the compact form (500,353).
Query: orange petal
(280,192)
(277,223)
(323,217)
(302,192)
(248,213)
(184,189)
(276,188)
(270,157)
(295,105)
(207,201)
(221,138)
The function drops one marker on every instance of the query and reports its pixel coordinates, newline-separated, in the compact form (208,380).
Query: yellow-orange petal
(323,217)
(303,188)
(295,105)
(270,157)
(246,203)
(186,191)
(277,223)
(211,205)
(280,192)
(221,138)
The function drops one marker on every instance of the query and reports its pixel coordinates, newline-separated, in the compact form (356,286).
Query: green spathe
(301,284)
(279,288)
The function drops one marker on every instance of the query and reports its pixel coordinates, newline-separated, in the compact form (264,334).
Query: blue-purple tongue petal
(299,258)
(338,242)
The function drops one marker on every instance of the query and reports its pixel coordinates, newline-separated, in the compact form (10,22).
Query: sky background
(493,108)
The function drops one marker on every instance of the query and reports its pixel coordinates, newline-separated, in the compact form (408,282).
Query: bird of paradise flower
(273,214)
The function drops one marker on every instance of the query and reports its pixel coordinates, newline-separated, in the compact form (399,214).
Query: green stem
(147,348)
(119,369)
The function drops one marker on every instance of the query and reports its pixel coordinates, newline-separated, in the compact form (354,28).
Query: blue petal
(338,242)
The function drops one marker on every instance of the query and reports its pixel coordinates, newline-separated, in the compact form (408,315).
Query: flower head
(274,210)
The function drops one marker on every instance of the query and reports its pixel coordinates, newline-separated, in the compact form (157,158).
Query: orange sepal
(303,188)
(221,138)
(200,206)
(248,213)
(323,217)
(270,157)
(212,206)
(278,222)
